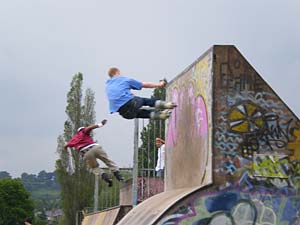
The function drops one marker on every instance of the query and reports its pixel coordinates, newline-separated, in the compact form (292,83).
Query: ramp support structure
(135,163)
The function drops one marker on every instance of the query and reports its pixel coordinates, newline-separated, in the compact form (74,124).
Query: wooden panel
(189,129)
(150,210)
(102,218)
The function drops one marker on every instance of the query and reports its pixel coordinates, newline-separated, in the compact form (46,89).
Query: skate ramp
(103,218)
(232,144)
(150,210)
(188,143)
(189,129)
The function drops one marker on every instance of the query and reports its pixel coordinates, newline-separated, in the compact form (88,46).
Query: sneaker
(118,176)
(170,105)
(161,115)
(107,179)
(164,105)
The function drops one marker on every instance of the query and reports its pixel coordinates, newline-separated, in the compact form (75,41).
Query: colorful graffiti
(249,130)
(257,136)
(246,118)
(270,166)
(255,139)
(294,145)
(257,146)
(231,207)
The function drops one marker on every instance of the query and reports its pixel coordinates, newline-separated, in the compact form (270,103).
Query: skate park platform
(232,149)
(106,217)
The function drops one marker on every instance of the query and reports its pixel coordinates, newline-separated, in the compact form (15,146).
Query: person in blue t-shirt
(129,106)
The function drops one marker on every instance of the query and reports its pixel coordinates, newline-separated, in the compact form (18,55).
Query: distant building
(54,215)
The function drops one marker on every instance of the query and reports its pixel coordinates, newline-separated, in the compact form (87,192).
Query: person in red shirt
(91,151)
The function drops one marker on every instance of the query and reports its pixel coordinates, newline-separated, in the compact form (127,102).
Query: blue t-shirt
(118,91)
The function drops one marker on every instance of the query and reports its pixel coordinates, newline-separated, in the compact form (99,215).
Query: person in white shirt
(160,165)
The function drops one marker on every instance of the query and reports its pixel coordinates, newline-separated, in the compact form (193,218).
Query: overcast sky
(43,43)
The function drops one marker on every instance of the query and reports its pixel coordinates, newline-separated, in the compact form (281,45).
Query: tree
(155,128)
(44,176)
(28,177)
(43,188)
(75,181)
(15,202)
(4,174)
(41,218)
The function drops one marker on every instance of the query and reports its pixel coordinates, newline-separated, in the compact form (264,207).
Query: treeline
(43,180)
(33,182)
(41,192)
(43,188)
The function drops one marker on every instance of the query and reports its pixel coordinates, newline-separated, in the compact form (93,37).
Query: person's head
(28,221)
(79,129)
(159,142)
(114,71)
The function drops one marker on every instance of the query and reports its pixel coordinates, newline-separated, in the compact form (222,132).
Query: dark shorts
(132,108)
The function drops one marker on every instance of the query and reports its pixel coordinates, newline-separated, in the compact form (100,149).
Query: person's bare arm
(92,127)
(153,85)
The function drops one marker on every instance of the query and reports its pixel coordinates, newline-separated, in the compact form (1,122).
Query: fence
(146,183)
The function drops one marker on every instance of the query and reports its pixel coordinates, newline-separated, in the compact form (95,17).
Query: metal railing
(146,184)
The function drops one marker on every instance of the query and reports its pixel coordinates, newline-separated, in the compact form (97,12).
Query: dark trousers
(132,108)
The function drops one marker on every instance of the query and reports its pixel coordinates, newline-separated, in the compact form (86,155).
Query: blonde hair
(112,71)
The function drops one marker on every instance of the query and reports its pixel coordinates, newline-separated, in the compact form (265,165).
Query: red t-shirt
(81,139)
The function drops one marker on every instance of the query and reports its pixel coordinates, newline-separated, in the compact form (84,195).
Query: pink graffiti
(172,133)
(199,108)
(199,113)
(185,97)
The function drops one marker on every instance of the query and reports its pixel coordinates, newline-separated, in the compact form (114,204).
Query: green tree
(41,219)
(4,174)
(44,190)
(76,182)
(15,202)
(154,129)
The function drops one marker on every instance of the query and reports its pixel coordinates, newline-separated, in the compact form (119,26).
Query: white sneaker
(164,105)
(170,105)
(160,115)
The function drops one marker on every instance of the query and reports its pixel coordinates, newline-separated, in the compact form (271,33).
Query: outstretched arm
(161,83)
(87,130)
(92,127)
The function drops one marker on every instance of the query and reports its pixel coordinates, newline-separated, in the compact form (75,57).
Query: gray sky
(43,43)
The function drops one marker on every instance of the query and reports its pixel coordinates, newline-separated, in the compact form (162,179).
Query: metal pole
(96,193)
(143,169)
(135,163)
(77,218)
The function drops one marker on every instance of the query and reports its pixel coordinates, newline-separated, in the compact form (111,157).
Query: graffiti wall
(188,142)
(256,135)
(232,207)
(256,150)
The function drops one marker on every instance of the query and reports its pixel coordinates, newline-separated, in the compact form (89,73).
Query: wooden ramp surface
(103,218)
(150,210)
